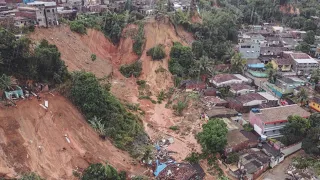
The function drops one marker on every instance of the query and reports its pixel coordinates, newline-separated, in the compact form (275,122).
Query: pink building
(269,121)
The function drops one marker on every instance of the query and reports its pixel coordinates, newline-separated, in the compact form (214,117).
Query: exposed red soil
(289,9)
(158,119)
(26,127)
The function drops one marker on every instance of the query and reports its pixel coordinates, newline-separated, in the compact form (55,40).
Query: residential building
(21,22)
(46,13)
(281,64)
(272,51)
(276,156)
(249,50)
(288,84)
(270,121)
(240,89)
(239,140)
(302,63)
(314,103)
(290,42)
(277,29)
(244,103)
(272,41)
(190,85)
(252,164)
(224,80)
(210,92)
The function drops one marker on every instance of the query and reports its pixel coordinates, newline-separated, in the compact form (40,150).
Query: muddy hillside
(76,51)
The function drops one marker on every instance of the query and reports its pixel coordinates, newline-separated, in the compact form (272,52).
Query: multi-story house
(270,121)
(302,63)
(46,13)
(249,50)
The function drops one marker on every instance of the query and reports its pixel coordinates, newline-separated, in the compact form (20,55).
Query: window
(48,10)
(52,10)
(39,20)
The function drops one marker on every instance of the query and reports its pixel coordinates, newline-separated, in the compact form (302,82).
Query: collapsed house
(14,92)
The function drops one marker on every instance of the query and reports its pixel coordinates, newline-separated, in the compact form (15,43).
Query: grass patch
(174,128)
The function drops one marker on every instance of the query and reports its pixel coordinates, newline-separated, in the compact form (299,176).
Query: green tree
(232,158)
(100,172)
(295,130)
(302,96)
(309,37)
(304,47)
(94,100)
(197,49)
(113,24)
(93,57)
(78,27)
(157,52)
(181,60)
(311,143)
(271,75)
(213,137)
(50,66)
(133,69)
(31,176)
(315,76)
(139,40)
(5,82)
(237,63)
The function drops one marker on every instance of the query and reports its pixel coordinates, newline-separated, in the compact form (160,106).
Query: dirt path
(34,139)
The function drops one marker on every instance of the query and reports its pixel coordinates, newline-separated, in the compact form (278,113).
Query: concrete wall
(291,149)
(253,119)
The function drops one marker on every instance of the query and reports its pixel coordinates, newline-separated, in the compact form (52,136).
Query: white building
(223,80)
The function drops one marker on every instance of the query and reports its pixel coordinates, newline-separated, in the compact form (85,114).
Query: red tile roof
(282,61)
(224,77)
(249,97)
(300,56)
(238,87)
(281,113)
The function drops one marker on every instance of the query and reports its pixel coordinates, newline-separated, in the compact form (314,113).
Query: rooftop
(282,61)
(253,160)
(280,113)
(268,96)
(300,56)
(274,50)
(224,77)
(238,87)
(36,3)
(249,97)
(316,100)
(235,137)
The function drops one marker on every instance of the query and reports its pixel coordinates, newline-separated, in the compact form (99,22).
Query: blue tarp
(159,168)
(256,66)
(157,147)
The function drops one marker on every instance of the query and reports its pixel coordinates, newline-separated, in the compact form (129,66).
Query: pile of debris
(301,174)
(181,171)
(166,167)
